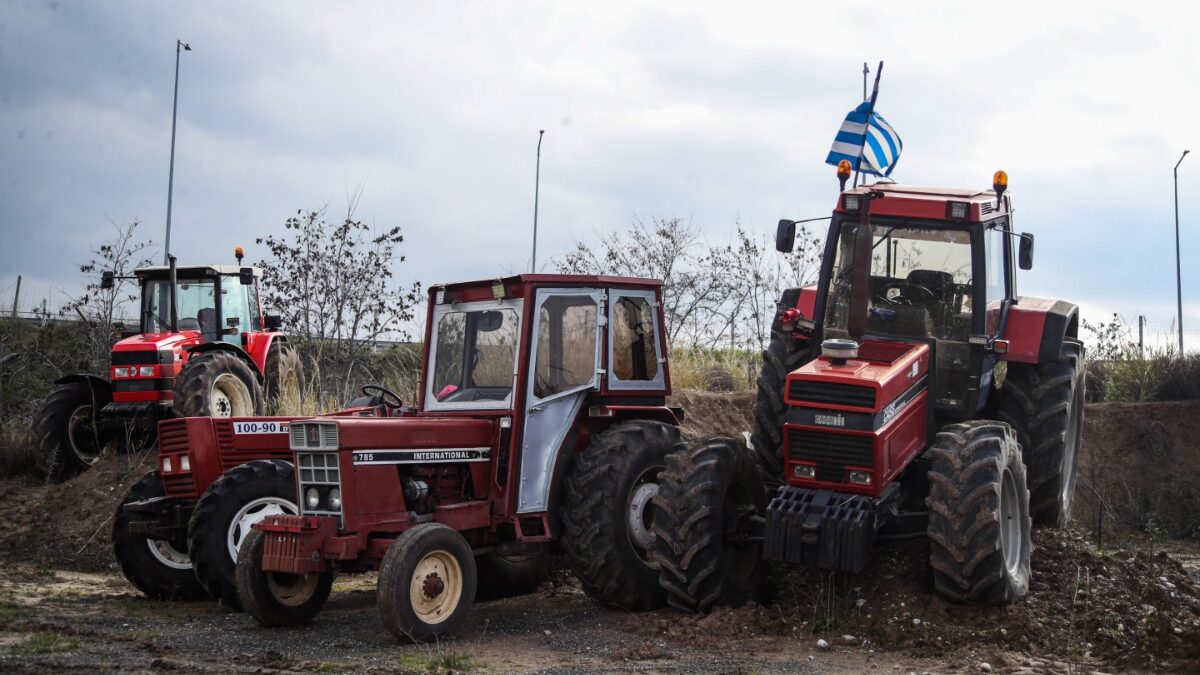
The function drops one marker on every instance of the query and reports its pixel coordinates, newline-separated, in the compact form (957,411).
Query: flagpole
(870,111)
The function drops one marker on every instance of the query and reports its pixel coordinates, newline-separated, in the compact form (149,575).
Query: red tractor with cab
(177,532)
(541,422)
(204,348)
(911,392)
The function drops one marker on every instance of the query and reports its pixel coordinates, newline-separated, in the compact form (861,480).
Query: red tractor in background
(911,391)
(177,532)
(541,421)
(204,348)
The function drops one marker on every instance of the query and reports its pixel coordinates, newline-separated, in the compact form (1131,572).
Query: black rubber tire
(58,457)
(256,596)
(1044,405)
(596,531)
(708,492)
(396,572)
(781,357)
(505,576)
(283,360)
(968,525)
(209,526)
(194,385)
(139,565)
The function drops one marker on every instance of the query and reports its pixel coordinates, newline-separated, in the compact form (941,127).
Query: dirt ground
(64,607)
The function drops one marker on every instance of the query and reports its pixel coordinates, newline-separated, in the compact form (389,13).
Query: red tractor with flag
(541,421)
(204,348)
(911,391)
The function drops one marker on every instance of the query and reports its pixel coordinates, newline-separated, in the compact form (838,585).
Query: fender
(1036,329)
(96,382)
(258,345)
(803,299)
(225,346)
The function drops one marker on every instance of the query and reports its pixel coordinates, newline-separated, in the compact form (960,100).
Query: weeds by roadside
(44,643)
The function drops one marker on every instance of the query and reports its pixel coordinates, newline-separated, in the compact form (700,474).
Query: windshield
(474,358)
(921,284)
(197,307)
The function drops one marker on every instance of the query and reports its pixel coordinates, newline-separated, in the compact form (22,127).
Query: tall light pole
(179,44)
(1178,277)
(537,179)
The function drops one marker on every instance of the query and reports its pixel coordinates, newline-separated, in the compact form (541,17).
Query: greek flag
(867,141)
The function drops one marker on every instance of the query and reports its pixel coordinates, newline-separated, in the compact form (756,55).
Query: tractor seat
(938,282)
(207,318)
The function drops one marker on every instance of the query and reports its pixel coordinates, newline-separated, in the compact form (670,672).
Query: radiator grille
(313,435)
(319,472)
(832,452)
(179,484)
(828,392)
(172,436)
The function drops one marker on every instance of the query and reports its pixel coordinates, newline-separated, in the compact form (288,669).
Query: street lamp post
(1178,275)
(179,44)
(537,179)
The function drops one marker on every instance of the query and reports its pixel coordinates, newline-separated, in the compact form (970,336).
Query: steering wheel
(387,396)
(910,294)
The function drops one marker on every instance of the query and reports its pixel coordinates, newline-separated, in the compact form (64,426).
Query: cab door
(564,366)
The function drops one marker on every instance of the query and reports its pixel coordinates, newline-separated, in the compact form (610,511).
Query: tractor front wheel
(709,523)
(426,583)
(217,384)
(223,517)
(781,357)
(607,515)
(284,378)
(278,598)
(68,429)
(979,519)
(157,567)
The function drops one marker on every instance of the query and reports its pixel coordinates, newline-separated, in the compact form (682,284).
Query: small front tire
(278,598)
(427,583)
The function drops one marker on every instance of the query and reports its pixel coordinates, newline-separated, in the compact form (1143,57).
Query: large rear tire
(506,575)
(979,520)
(1044,405)
(68,429)
(223,517)
(217,384)
(426,583)
(276,598)
(607,513)
(284,378)
(158,568)
(708,522)
(781,357)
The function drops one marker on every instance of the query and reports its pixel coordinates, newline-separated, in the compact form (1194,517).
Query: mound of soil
(68,525)
(714,414)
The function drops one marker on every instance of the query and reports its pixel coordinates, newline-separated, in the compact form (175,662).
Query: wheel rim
(1010,522)
(1071,452)
(251,513)
(81,433)
(436,587)
(230,397)
(292,590)
(168,555)
(639,514)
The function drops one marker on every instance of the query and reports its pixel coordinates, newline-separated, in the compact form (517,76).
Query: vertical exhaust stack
(174,290)
(860,273)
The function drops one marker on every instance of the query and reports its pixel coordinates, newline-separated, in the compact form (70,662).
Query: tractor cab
(217,302)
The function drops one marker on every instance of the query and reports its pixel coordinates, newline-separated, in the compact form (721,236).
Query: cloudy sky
(714,112)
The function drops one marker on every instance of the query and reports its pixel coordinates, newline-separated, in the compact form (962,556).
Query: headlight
(335,499)
(166,465)
(312,498)
(185,464)
(146,371)
(120,372)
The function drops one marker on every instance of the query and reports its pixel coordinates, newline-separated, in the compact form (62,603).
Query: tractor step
(821,528)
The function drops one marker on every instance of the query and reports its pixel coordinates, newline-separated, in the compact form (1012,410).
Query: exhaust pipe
(174,305)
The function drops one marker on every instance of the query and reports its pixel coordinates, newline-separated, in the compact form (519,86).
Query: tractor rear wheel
(1044,405)
(426,583)
(979,520)
(284,378)
(503,575)
(709,517)
(779,358)
(222,519)
(278,598)
(68,429)
(607,514)
(157,567)
(217,384)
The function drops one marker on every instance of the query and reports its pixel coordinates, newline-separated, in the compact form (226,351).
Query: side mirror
(273,322)
(246,276)
(1025,251)
(785,236)
(106,280)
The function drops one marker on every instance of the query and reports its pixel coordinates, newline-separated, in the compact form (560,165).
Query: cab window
(634,340)
(235,305)
(566,345)
(474,356)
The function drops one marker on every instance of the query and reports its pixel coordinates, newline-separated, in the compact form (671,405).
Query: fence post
(1141,341)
